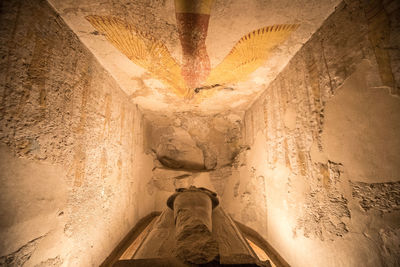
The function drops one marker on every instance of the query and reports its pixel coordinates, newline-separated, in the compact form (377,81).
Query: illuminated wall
(312,165)
(321,178)
(72,167)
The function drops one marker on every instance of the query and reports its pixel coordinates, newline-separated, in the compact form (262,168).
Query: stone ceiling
(229,21)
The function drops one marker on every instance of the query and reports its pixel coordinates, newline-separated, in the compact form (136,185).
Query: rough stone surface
(72,163)
(178,150)
(217,139)
(326,207)
(390,240)
(210,141)
(324,136)
(383,197)
(50,262)
(21,256)
(169,179)
(196,245)
(194,242)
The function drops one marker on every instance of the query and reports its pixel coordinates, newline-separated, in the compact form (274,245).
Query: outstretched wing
(249,53)
(143,50)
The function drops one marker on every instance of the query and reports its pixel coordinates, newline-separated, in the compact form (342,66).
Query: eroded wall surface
(321,180)
(72,167)
(192,149)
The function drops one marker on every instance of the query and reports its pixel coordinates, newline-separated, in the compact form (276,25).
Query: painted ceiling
(205,56)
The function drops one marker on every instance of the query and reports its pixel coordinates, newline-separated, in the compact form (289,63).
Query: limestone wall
(321,180)
(192,149)
(72,167)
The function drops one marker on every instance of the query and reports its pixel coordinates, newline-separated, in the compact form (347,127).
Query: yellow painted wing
(249,53)
(143,50)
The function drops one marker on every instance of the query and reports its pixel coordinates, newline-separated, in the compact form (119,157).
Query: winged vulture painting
(194,73)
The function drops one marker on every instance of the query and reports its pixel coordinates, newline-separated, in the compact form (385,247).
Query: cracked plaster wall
(321,180)
(72,167)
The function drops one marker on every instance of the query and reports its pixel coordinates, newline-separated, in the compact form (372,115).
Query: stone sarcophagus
(193,231)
